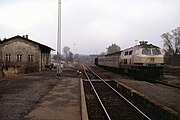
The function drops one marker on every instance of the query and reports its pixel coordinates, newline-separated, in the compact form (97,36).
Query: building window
(126,53)
(19,57)
(125,61)
(8,57)
(30,57)
(130,52)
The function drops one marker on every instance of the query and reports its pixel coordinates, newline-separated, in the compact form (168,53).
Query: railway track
(163,82)
(112,104)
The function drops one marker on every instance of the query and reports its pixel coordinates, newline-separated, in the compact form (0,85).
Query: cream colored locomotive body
(144,59)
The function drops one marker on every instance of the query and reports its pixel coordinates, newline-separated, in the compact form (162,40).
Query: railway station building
(19,54)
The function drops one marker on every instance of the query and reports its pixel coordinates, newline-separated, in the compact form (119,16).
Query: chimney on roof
(26,36)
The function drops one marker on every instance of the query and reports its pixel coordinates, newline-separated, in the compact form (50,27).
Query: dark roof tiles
(42,47)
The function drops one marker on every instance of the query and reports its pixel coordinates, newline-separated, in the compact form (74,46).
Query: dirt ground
(20,95)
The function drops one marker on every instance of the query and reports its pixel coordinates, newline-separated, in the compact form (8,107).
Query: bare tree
(76,56)
(113,48)
(102,53)
(70,56)
(172,42)
(55,57)
(66,50)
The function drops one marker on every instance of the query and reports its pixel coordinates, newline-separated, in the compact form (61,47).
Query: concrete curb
(166,110)
(84,114)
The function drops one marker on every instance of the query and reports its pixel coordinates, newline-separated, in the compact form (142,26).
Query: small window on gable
(130,52)
(126,53)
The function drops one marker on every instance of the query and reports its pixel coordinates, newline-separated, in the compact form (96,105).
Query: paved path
(61,103)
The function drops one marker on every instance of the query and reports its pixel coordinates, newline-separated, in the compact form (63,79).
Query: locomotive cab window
(156,51)
(146,51)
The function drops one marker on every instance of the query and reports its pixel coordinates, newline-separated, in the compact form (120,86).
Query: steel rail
(96,94)
(120,95)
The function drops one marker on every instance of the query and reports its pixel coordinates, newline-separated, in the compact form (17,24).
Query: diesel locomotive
(141,61)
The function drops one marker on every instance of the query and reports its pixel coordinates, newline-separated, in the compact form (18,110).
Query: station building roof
(25,38)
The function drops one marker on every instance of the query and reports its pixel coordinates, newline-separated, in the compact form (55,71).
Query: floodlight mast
(59,70)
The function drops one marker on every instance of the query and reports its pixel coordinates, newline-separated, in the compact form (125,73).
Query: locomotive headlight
(158,64)
(144,64)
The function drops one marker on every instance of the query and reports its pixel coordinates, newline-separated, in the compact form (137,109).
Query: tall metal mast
(59,28)
(59,39)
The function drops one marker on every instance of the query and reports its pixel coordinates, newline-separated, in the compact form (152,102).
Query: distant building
(113,48)
(22,55)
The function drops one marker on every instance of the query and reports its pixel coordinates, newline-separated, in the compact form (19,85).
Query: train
(140,61)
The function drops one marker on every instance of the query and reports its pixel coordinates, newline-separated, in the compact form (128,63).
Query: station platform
(62,102)
(164,96)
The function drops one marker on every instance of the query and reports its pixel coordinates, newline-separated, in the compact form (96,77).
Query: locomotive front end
(149,61)
(149,57)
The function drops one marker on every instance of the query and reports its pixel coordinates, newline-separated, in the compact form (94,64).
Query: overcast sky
(90,26)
